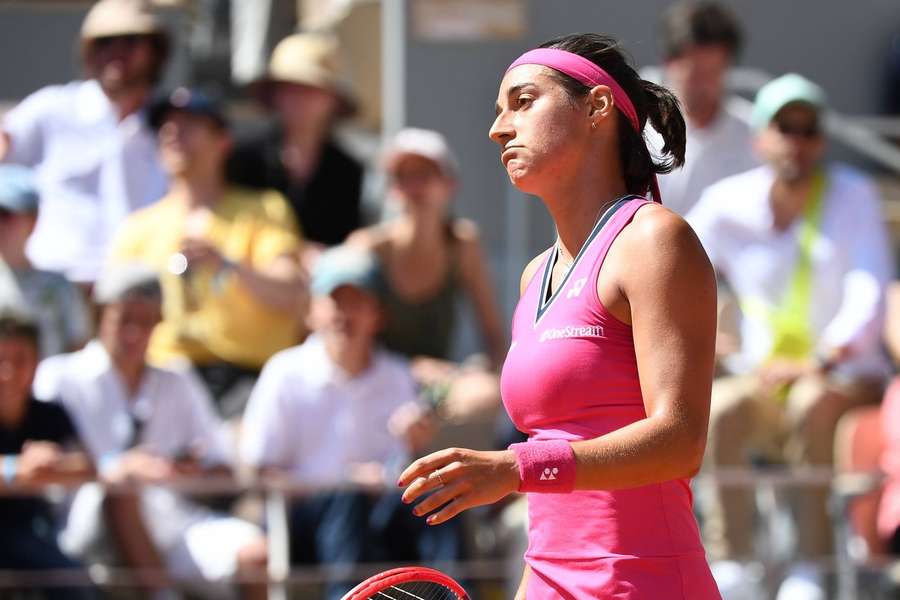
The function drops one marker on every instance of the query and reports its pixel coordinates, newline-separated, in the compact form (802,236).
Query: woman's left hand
(459,479)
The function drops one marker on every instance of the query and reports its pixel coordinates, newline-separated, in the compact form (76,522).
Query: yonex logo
(549,474)
(576,288)
(571,331)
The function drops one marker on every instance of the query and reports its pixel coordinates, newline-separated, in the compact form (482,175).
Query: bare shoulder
(468,241)
(670,257)
(372,238)
(530,270)
(465,231)
(664,235)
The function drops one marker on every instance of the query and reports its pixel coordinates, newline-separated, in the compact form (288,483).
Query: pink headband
(586,72)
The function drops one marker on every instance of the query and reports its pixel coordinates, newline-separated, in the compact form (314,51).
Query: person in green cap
(802,244)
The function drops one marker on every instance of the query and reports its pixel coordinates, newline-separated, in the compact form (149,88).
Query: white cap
(421,142)
(127,280)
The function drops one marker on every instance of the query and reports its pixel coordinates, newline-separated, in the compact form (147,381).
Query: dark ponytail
(651,101)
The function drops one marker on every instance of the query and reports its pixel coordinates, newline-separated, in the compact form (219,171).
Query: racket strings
(418,590)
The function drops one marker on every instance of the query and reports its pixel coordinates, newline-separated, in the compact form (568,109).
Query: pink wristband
(545,466)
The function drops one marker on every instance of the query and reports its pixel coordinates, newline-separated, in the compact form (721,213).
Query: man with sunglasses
(802,244)
(87,140)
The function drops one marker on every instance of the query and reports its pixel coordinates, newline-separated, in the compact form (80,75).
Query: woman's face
(543,134)
(420,185)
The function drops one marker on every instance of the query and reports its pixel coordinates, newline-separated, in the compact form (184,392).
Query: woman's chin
(519,177)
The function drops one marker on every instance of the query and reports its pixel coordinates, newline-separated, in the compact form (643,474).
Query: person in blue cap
(339,413)
(52,301)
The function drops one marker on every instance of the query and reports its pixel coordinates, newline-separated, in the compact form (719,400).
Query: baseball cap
(343,265)
(420,142)
(17,191)
(782,91)
(127,280)
(192,101)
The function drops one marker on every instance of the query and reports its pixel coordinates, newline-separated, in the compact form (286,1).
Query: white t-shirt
(306,416)
(721,149)
(173,407)
(851,262)
(92,170)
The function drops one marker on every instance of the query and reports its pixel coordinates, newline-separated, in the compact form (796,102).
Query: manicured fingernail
(430,520)
(399,483)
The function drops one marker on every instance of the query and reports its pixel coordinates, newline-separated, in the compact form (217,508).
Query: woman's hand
(459,479)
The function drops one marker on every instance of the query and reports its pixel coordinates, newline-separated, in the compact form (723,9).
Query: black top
(327,206)
(43,421)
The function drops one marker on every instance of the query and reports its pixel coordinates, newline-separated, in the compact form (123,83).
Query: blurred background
(290,129)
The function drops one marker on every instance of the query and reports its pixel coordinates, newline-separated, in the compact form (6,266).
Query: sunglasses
(129,40)
(809,131)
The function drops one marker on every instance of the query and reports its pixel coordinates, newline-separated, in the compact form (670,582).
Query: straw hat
(121,17)
(311,59)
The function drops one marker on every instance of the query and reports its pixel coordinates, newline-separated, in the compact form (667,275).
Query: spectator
(38,446)
(889,505)
(297,154)
(701,40)
(228,257)
(55,303)
(94,156)
(340,411)
(149,425)
(428,258)
(803,246)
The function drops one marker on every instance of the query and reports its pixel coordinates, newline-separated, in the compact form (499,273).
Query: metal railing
(277,494)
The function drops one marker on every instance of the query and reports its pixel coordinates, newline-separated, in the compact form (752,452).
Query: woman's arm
(670,302)
(475,278)
(523,585)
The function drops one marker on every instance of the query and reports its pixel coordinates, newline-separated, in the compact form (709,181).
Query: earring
(594,125)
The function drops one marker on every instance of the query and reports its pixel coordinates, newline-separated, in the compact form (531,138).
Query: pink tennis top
(571,374)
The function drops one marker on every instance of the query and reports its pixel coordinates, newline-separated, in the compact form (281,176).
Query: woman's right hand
(459,479)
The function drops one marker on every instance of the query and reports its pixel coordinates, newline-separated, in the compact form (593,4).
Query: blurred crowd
(180,302)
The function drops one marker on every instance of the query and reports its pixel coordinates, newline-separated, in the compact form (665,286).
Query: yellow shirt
(209,318)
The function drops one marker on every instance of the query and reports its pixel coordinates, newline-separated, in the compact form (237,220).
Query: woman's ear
(601,103)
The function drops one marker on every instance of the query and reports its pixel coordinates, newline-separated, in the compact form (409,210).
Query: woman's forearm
(648,451)
(523,584)
(283,293)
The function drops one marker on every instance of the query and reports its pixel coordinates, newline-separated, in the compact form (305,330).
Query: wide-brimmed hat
(109,18)
(311,59)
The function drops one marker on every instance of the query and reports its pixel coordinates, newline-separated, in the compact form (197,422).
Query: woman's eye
(524,101)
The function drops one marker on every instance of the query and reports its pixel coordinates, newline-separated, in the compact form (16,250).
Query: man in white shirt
(339,413)
(147,425)
(803,246)
(94,156)
(700,43)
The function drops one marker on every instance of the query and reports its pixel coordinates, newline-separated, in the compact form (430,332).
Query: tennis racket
(408,583)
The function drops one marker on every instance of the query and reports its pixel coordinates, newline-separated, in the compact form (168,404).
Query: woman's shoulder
(373,238)
(655,224)
(657,232)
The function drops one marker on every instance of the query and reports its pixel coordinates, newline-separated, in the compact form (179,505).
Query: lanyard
(791,320)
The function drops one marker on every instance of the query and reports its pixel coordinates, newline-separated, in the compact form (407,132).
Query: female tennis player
(611,364)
